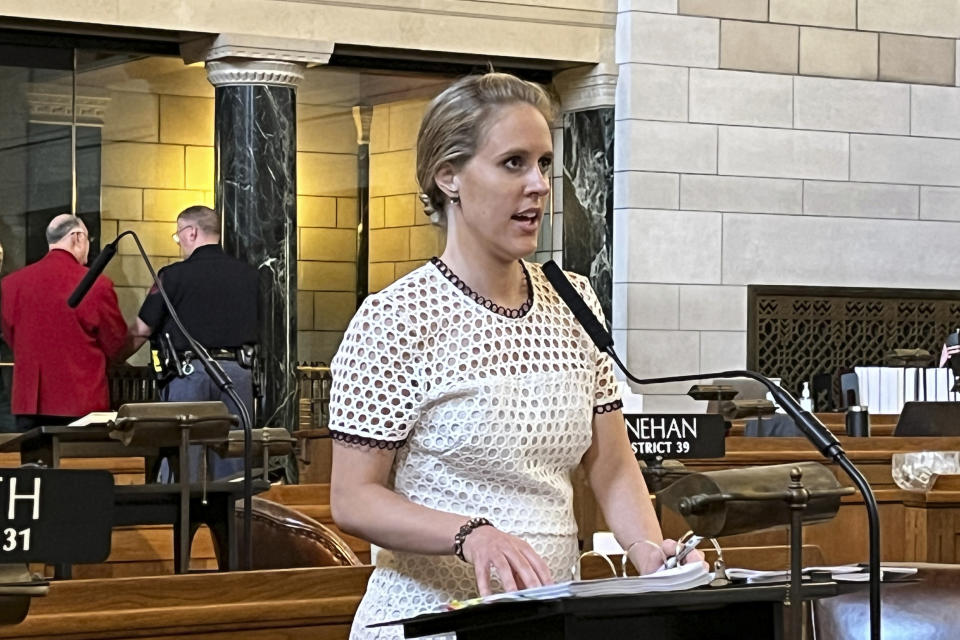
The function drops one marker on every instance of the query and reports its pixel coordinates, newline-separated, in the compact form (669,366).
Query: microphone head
(953,340)
(91,275)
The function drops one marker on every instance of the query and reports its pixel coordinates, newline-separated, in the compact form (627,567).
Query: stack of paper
(97,417)
(886,389)
(840,573)
(686,576)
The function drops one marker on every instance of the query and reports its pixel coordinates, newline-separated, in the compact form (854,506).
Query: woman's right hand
(517,565)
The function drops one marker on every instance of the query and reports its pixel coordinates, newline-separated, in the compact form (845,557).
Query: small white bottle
(806,402)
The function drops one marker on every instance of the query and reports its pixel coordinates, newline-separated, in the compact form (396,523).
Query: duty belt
(216,354)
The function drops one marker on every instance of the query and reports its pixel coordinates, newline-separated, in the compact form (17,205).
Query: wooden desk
(915,527)
(881,424)
(47,445)
(209,503)
(727,613)
(247,605)
(212,505)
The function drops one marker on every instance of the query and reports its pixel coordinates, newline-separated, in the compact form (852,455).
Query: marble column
(362,117)
(587,96)
(256,150)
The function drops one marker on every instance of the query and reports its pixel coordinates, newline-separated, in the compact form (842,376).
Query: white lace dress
(489,409)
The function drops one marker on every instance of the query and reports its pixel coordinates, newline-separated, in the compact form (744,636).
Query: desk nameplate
(671,436)
(55,515)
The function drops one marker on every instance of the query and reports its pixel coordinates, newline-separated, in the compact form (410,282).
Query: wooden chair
(286,539)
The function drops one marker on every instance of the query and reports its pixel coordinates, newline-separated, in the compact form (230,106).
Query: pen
(683,551)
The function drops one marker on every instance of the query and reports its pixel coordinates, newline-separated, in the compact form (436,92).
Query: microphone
(815,431)
(106,254)
(597,332)
(214,369)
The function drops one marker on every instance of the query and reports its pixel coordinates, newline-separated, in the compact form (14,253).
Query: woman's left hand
(646,559)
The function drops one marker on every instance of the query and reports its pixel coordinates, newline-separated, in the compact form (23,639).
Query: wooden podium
(722,613)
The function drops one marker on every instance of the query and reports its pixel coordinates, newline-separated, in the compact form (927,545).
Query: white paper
(841,573)
(687,576)
(97,417)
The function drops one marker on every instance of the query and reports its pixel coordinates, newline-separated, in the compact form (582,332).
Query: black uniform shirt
(216,296)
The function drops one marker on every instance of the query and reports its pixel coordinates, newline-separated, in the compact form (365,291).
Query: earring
(455,199)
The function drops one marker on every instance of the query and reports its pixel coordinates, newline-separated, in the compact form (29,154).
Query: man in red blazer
(60,354)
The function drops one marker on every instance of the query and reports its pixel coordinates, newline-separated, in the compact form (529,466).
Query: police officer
(217,299)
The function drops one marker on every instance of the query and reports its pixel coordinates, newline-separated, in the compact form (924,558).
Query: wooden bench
(249,605)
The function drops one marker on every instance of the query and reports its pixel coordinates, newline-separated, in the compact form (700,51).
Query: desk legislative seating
(916,527)
(284,538)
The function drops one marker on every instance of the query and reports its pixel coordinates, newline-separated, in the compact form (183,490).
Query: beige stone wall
(327,216)
(402,237)
(897,40)
(563,30)
(157,159)
(770,173)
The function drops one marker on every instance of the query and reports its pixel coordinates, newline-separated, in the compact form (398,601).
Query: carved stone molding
(585,88)
(228,46)
(51,103)
(272,72)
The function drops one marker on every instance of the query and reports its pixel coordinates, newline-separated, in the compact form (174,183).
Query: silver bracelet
(626,554)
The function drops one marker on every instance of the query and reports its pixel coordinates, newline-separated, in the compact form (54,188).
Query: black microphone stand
(815,431)
(224,383)
(829,446)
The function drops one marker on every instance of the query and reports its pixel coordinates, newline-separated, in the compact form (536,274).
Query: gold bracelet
(626,553)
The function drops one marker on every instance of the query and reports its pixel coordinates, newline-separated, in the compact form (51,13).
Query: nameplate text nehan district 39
(669,436)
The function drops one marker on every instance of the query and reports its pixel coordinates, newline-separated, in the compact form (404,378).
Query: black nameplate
(671,436)
(55,515)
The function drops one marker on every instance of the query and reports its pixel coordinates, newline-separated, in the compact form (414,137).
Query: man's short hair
(62,225)
(205,218)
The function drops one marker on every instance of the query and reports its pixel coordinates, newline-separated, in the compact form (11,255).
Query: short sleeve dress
(489,410)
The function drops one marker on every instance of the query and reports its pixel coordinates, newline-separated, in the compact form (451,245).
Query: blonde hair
(457,118)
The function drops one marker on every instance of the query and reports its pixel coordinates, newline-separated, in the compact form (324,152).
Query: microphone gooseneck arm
(98,266)
(824,440)
(818,434)
(815,431)
(224,383)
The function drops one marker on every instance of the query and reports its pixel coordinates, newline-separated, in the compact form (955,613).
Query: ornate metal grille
(794,333)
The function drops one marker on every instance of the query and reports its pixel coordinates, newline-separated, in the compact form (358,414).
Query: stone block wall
(896,40)
(158,159)
(327,216)
(402,237)
(790,142)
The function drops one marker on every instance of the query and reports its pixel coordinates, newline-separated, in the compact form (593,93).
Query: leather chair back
(286,539)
